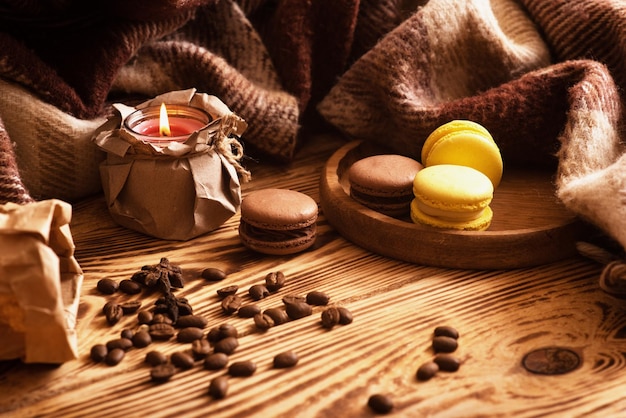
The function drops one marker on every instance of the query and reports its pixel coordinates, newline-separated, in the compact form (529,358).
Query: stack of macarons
(462,168)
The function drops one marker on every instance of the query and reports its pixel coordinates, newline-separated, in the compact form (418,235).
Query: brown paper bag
(180,190)
(40,283)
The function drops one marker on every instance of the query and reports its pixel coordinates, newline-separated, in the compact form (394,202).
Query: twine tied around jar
(613,277)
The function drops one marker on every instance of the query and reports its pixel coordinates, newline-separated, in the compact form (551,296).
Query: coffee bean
(98,352)
(443,344)
(154,358)
(446,331)
(213,274)
(127,333)
(263,321)
(345,316)
(130,287)
(427,370)
(113,313)
(218,388)
(274,281)
(447,362)
(130,307)
(162,373)
(200,349)
(160,318)
(248,311)
(298,310)
(114,357)
(220,332)
(142,339)
(291,299)
(379,403)
(231,303)
(278,315)
(285,359)
(182,360)
(216,361)
(317,298)
(227,291)
(258,292)
(162,331)
(145,317)
(107,286)
(191,321)
(189,334)
(122,343)
(242,368)
(330,317)
(227,345)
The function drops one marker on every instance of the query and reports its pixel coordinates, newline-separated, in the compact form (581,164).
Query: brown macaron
(278,221)
(384,183)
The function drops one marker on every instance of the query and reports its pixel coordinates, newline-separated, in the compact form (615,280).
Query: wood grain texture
(500,315)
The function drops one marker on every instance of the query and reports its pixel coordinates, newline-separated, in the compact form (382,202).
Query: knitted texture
(11,187)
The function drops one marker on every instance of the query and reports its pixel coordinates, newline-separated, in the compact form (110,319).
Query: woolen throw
(546,77)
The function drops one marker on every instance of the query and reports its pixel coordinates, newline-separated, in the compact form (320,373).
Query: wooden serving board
(530,226)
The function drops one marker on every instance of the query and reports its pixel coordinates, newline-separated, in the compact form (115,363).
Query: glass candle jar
(146,124)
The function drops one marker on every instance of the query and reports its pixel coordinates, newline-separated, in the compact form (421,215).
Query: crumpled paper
(181,190)
(40,283)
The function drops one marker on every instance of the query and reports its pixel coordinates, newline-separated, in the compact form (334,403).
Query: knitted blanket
(546,77)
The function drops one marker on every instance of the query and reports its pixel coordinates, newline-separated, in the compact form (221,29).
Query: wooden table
(500,315)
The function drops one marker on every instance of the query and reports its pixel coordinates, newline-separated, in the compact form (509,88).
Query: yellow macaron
(467,143)
(452,197)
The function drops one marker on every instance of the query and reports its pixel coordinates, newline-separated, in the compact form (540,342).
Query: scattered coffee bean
(127,333)
(113,313)
(345,316)
(220,332)
(258,291)
(189,334)
(218,388)
(160,318)
(163,372)
(154,358)
(114,357)
(447,362)
(248,311)
(263,321)
(213,274)
(227,345)
(291,299)
(182,360)
(317,298)
(107,286)
(443,344)
(379,403)
(161,331)
(446,331)
(227,291)
(427,370)
(330,317)
(278,315)
(242,368)
(231,303)
(141,339)
(200,349)
(216,361)
(98,352)
(130,307)
(196,321)
(297,310)
(130,287)
(122,343)
(145,317)
(285,360)
(274,281)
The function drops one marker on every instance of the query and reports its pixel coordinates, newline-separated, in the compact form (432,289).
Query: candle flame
(164,122)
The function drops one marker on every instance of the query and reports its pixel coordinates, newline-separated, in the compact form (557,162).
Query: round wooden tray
(530,226)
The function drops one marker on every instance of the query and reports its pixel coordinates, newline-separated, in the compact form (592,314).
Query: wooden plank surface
(501,315)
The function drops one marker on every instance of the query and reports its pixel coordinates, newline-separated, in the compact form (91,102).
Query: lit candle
(164,124)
